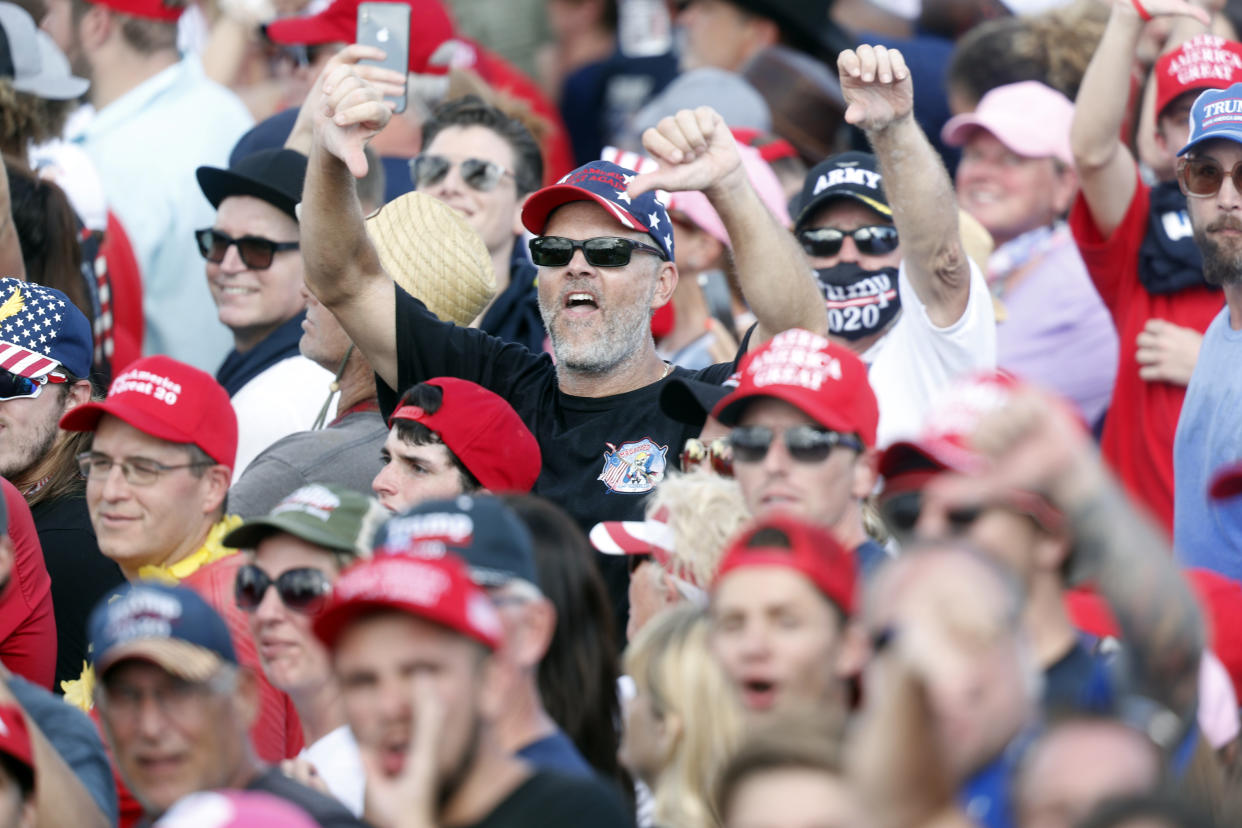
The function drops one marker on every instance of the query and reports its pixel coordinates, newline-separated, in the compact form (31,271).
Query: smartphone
(387,26)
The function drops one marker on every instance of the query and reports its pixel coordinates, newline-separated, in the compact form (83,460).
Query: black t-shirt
(80,574)
(551,800)
(601,455)
(325,810)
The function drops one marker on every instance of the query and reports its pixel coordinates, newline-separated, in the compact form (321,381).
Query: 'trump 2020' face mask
(861,303)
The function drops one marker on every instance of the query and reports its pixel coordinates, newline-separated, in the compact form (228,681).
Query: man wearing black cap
(255,276)
(728,33)
(882,232)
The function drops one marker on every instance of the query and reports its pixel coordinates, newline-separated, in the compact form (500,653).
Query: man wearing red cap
(781,611)
(449,436)
(804,422)
(1136,240)
(414,644)
(157,474)
(606,262)
(157,118)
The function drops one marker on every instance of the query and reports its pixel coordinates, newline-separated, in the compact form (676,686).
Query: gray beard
(618,339)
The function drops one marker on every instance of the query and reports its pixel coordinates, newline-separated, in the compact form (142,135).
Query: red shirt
(27,623)
(1138,431)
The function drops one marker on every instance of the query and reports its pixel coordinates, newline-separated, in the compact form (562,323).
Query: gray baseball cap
(31,60)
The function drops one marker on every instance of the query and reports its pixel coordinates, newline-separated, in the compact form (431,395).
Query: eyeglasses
(303,590)
(719,454)
(16,387)
(1202,177)
(178,699)
(137,471)
(805,443)
(256,252)
(481,175)
(601,251)
(901,513)
(871,240)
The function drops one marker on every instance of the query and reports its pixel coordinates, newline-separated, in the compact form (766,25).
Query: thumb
(356,160)
(663,179)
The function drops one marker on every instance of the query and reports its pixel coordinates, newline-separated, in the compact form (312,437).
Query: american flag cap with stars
(42,330)
(604,183)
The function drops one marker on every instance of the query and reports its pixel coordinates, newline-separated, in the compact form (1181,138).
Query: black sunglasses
(16,387)
(871,240)
(901,514)
(481,175)
(303,590)
(256,252)
(1202,177)
(601,251)
(805,443)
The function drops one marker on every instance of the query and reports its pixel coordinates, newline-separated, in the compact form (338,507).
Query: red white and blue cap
(1217,113)
(41,330)
(604,183)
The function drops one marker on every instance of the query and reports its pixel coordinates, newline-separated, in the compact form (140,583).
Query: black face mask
(861,303)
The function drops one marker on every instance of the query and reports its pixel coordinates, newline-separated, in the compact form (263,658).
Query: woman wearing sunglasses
(295,553)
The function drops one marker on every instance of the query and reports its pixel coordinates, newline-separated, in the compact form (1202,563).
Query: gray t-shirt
(346,453)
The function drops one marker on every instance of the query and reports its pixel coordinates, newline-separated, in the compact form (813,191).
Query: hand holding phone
(386,26)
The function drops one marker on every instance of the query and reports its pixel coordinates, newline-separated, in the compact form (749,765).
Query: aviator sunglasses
(429,170)
(256,252)
(601,251)
(1202,177)
(16,387)
(303,590)
(805,443)
(871,240)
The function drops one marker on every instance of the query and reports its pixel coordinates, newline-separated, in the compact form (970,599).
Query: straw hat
(430,250)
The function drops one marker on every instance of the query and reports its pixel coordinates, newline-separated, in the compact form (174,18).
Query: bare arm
(342,268)
(878,88)
(1106,169)
(696,151)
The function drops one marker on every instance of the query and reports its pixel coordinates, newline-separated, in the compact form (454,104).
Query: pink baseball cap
(234,809)
(823,380)
(170,400)
(698,210)
(1031,119)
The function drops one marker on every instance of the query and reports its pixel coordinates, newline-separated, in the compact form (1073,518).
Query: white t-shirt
(339,764)
(916,360)
(283,399)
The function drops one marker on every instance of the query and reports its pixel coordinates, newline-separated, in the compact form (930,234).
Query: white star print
(655,220)
(56,317)
(42,339)
(668,242)
(622,195)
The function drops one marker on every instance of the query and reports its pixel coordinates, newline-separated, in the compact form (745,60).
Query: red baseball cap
(1203,62)
(430,27)
(805,548)
(14,736)
(823,380)
(484,432)
(170,400)
(438,590)
(146,9)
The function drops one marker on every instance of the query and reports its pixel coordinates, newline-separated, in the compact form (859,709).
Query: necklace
(668,369)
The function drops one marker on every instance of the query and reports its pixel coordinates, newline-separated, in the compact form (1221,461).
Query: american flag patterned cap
(41,330)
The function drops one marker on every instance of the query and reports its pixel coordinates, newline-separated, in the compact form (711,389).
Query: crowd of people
(651,413)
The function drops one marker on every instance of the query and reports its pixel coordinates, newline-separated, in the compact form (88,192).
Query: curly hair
(26,119)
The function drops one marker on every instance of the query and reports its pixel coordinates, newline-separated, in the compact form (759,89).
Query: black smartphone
(387,26)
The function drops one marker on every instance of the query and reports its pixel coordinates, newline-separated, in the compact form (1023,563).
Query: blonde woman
(683,723)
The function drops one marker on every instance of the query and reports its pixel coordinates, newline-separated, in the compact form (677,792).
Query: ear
(492,687)
(518,229)
(216,482)
(95,27)
(668,588)
(866,470)
(6,558)
(538,627)
(854,652)
(1162,143)
(666,283)
(79,393)
(671,728)
(1065,187)
(765,31)
(1051,550)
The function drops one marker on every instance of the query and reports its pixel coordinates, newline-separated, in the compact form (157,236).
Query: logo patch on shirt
(634,468)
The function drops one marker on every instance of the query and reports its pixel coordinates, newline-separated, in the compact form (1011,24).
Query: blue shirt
(556,753)
(146,146)
(1208,533)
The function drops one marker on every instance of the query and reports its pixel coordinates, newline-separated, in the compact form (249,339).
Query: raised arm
(342,268)
(696,151)
(880,95)
(1106,169)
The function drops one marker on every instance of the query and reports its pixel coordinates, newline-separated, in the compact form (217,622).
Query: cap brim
(218,184)
(86,418)
(804,215)
(1227,482)
(330,623)
(541,204)
(632,537)
(907,457)
(689,401)
(253,532)
(179,658)
(729,410)
(307,31)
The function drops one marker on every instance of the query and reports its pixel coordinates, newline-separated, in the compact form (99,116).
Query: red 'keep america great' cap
(170,400)
(1203,62)
(823,380)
